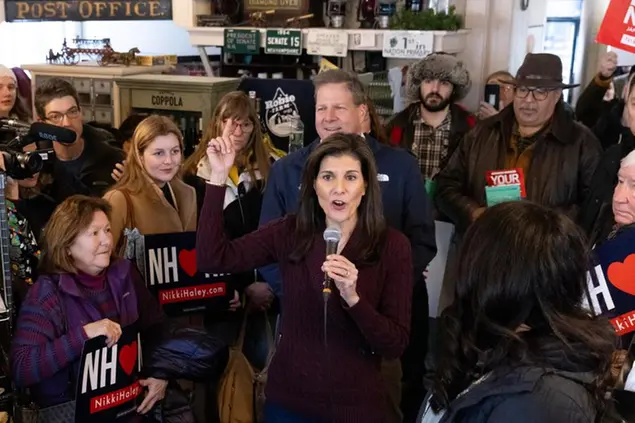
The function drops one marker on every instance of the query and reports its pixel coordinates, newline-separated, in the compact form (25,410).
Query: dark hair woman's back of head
(521,264)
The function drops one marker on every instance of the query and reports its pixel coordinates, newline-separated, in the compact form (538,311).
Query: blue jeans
(276,414)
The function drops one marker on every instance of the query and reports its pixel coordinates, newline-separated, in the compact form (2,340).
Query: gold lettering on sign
(85,9)
(49,10)
(36,11)
(154,9)
(114,8)
(99,6)
(97,9)
(64,7)
(137,9)
(22,9)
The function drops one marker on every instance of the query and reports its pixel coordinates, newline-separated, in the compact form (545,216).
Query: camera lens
(32,162)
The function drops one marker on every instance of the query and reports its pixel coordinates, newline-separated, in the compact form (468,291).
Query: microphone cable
(326,293)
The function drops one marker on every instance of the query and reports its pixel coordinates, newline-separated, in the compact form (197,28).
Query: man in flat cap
(533,136)
(433,124)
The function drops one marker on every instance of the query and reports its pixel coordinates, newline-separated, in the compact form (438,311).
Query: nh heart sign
(171,275)
(611,283)
(108,387)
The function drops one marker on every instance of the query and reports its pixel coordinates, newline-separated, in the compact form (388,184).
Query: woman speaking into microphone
(326,366)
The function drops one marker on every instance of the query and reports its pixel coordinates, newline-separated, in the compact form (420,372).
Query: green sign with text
(87,10)
(283,41)
(242,41)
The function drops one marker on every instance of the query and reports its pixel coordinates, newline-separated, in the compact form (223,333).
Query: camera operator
(82,167)
(11,105)
(28,210)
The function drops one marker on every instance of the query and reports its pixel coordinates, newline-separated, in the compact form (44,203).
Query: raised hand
(608,64)
(221,155)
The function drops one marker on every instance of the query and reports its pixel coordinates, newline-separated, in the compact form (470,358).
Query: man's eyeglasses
(539,93)
(57,118)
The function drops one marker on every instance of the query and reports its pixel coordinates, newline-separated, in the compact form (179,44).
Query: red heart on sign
(622,275)
(128,357)
(187,260)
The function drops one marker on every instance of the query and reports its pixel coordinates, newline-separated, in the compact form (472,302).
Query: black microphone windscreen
(40,131)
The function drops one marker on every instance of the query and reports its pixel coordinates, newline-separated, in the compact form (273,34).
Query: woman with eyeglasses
(235,118)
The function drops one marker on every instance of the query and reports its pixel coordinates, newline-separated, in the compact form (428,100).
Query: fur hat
(5,71)
(441,66)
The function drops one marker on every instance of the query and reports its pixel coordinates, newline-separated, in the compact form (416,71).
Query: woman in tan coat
(150,195)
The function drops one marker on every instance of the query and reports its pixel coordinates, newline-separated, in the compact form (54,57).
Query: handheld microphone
(332,237)
(40,131)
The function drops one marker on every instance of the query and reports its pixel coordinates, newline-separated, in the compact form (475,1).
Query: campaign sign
(504,185)
(172,276)
(618,25)
(611,283)
(108,387)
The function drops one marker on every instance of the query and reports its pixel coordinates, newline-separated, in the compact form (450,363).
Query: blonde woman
(235,118)
(150,194)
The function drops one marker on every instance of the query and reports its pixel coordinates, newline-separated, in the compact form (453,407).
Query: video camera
(23,165)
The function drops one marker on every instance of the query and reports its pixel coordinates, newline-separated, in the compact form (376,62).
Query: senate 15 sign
(108,387)
(283,41)
(87,10)
(173,278)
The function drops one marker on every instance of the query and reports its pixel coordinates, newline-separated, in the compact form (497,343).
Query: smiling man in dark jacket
(340,108)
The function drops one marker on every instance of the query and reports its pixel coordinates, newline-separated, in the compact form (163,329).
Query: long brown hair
(310,217)
(235,105)
(135,179)
(69,219)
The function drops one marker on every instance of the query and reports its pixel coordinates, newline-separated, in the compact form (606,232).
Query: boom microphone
(332,237)
(40,131)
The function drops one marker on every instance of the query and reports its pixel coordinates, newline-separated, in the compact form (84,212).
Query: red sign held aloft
(618,26)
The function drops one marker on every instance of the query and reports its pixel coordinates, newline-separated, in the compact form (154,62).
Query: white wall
(498,39)
(593,14)
(149,36)
(29,42)
(524,23)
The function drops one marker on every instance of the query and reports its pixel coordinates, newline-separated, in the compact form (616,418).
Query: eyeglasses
(539,93)
(57,117)
(247,126)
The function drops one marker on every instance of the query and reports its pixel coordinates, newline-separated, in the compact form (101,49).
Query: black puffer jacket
(182,353)
(524,395)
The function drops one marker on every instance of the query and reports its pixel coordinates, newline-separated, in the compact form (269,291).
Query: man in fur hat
(433,124)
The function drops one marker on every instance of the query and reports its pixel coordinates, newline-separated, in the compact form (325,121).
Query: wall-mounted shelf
(448,41)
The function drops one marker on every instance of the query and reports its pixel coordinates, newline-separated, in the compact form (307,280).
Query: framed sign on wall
(87,10)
